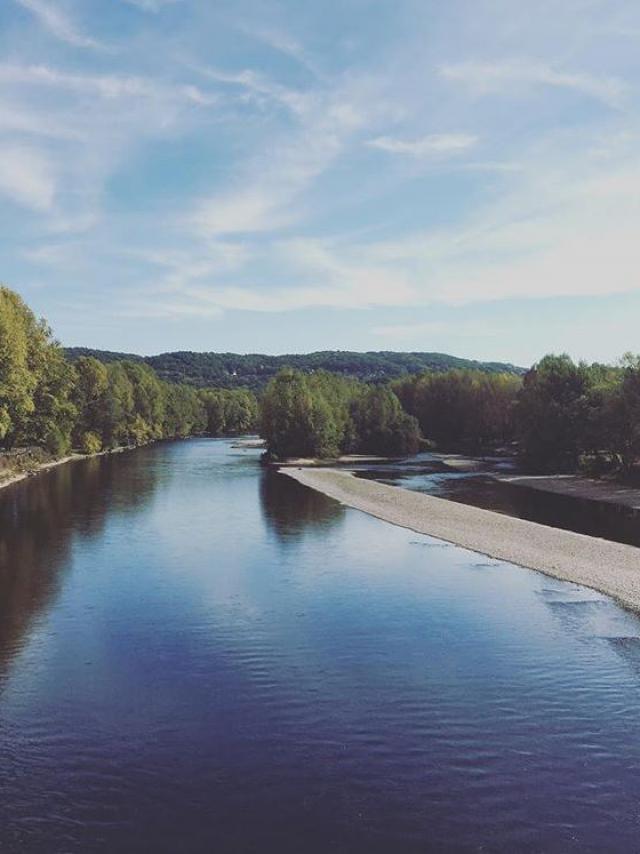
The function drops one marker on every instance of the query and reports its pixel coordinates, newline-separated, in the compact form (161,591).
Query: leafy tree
(229,412)
(23,345)
(287,416)
(553,411)
(90,443)
(118,406)
(465,409)
(381,425)
(324,415)
(89,393)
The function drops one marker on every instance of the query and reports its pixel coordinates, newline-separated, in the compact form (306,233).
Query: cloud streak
(58,24)
(427,146)
(488,78)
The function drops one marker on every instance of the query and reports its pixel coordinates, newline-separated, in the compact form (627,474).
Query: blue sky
(262,176)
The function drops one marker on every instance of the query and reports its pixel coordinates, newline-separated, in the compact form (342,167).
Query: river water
(200,656)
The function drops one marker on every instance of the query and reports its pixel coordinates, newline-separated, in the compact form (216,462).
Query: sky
(292,175)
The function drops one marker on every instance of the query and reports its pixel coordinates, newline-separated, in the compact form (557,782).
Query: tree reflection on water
(40,520)
(290,508)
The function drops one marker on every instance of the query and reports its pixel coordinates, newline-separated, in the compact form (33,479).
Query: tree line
(255,370)
(49,402)
(560,417)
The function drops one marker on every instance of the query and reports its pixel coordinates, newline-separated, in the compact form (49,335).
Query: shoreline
(51,464)
(42,467)
(610,568)
(17,477)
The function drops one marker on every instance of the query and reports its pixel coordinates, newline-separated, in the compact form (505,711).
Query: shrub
(56,442)
(90,443)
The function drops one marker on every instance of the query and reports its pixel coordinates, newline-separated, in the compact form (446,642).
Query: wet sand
(611,568)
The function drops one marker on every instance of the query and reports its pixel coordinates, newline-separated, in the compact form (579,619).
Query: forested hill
(231,370)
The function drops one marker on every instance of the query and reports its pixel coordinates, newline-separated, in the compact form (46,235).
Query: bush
(90,443)
(56,442)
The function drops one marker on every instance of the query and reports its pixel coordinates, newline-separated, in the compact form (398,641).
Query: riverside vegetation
(560,416)
(48,403)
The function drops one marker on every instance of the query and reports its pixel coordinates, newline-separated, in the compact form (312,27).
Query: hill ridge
(254,370)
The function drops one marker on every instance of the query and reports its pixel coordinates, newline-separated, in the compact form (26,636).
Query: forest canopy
(50,402)
(254,371)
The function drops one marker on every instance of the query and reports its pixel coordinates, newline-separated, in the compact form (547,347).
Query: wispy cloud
(58,23)
(264,199)
(259,87)
(108,86)
(426,146)
(485,78)
(212,161)
(279,40)
(152,5)
(27,178)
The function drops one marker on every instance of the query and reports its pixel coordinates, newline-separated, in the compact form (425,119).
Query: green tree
(553,412)
(89,391)
(382,426)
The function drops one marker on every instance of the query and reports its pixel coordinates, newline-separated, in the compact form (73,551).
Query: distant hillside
(231,370)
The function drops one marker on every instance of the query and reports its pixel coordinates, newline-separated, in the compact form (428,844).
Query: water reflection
(289,508)
(193,682)
(40,519)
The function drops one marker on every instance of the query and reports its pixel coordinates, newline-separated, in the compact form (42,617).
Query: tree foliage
(255,370)
(49,402)
(465,409)
(229,412)
(323,415)
(560,413)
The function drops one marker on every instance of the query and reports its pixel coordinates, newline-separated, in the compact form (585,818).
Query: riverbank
(41,467)
(611,568)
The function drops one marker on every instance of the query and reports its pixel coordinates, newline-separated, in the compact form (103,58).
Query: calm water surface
(197,656)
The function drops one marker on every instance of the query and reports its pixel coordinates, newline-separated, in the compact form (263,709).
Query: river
(197,655)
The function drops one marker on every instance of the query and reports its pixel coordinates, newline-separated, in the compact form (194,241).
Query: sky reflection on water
(197,655)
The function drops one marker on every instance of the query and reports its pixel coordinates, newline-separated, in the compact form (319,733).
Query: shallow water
(196,655)
(426,473)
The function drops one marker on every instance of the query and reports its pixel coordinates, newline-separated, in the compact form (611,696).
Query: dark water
(196,656)
(426,473)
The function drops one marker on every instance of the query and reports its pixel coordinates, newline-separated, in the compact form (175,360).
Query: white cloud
(259,87)
(435,144)
(17,118)
(280,41)
(152,5)
(107,86)
(57,23)
(485,78)
(26,177)
(264,198)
